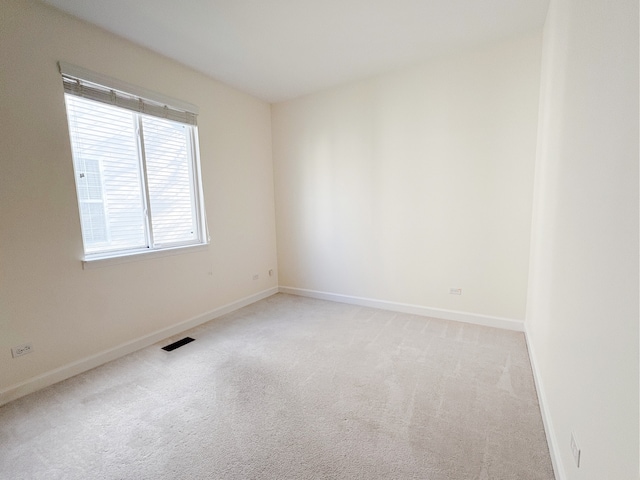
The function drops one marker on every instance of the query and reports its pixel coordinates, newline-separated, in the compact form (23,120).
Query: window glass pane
(108,175)
(94,223)
(170,181)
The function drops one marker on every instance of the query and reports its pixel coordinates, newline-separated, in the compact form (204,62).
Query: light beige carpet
(293,388)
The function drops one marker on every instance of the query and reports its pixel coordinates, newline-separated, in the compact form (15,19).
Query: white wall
(45,296)
(400,187)
(582,315)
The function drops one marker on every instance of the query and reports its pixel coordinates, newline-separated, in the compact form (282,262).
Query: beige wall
(582,317)
(400,187)
(45,296)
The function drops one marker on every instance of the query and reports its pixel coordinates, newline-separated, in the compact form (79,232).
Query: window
(136,168)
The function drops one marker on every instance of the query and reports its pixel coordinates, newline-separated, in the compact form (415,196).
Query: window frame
(159,105)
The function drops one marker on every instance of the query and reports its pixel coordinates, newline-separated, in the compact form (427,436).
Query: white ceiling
(281,49)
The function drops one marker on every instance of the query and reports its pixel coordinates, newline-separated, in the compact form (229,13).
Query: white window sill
(142,255)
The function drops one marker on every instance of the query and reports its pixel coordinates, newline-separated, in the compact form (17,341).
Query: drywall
(45,295)
(582,314)
(402,186)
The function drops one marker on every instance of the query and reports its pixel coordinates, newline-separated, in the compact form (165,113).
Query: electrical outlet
(21,350)
(256,276)
(271,273)
(455,291)
(575,451)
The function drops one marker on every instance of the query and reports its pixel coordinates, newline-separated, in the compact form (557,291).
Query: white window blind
(137,171)
(108,176)
(170,181)
(94,86)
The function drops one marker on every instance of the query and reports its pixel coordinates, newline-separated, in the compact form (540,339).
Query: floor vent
(178,344)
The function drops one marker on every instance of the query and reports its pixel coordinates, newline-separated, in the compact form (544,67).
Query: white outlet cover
(21,350)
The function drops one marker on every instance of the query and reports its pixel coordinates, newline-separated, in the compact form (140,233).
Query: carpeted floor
(293,388)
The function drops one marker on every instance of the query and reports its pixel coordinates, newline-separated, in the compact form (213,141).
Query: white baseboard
(67,371)
(477,319)
(556,459)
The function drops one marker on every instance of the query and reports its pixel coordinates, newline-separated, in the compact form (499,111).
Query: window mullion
(143,176)
(195,204)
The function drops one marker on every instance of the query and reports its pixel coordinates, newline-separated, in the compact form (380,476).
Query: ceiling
(281,49)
